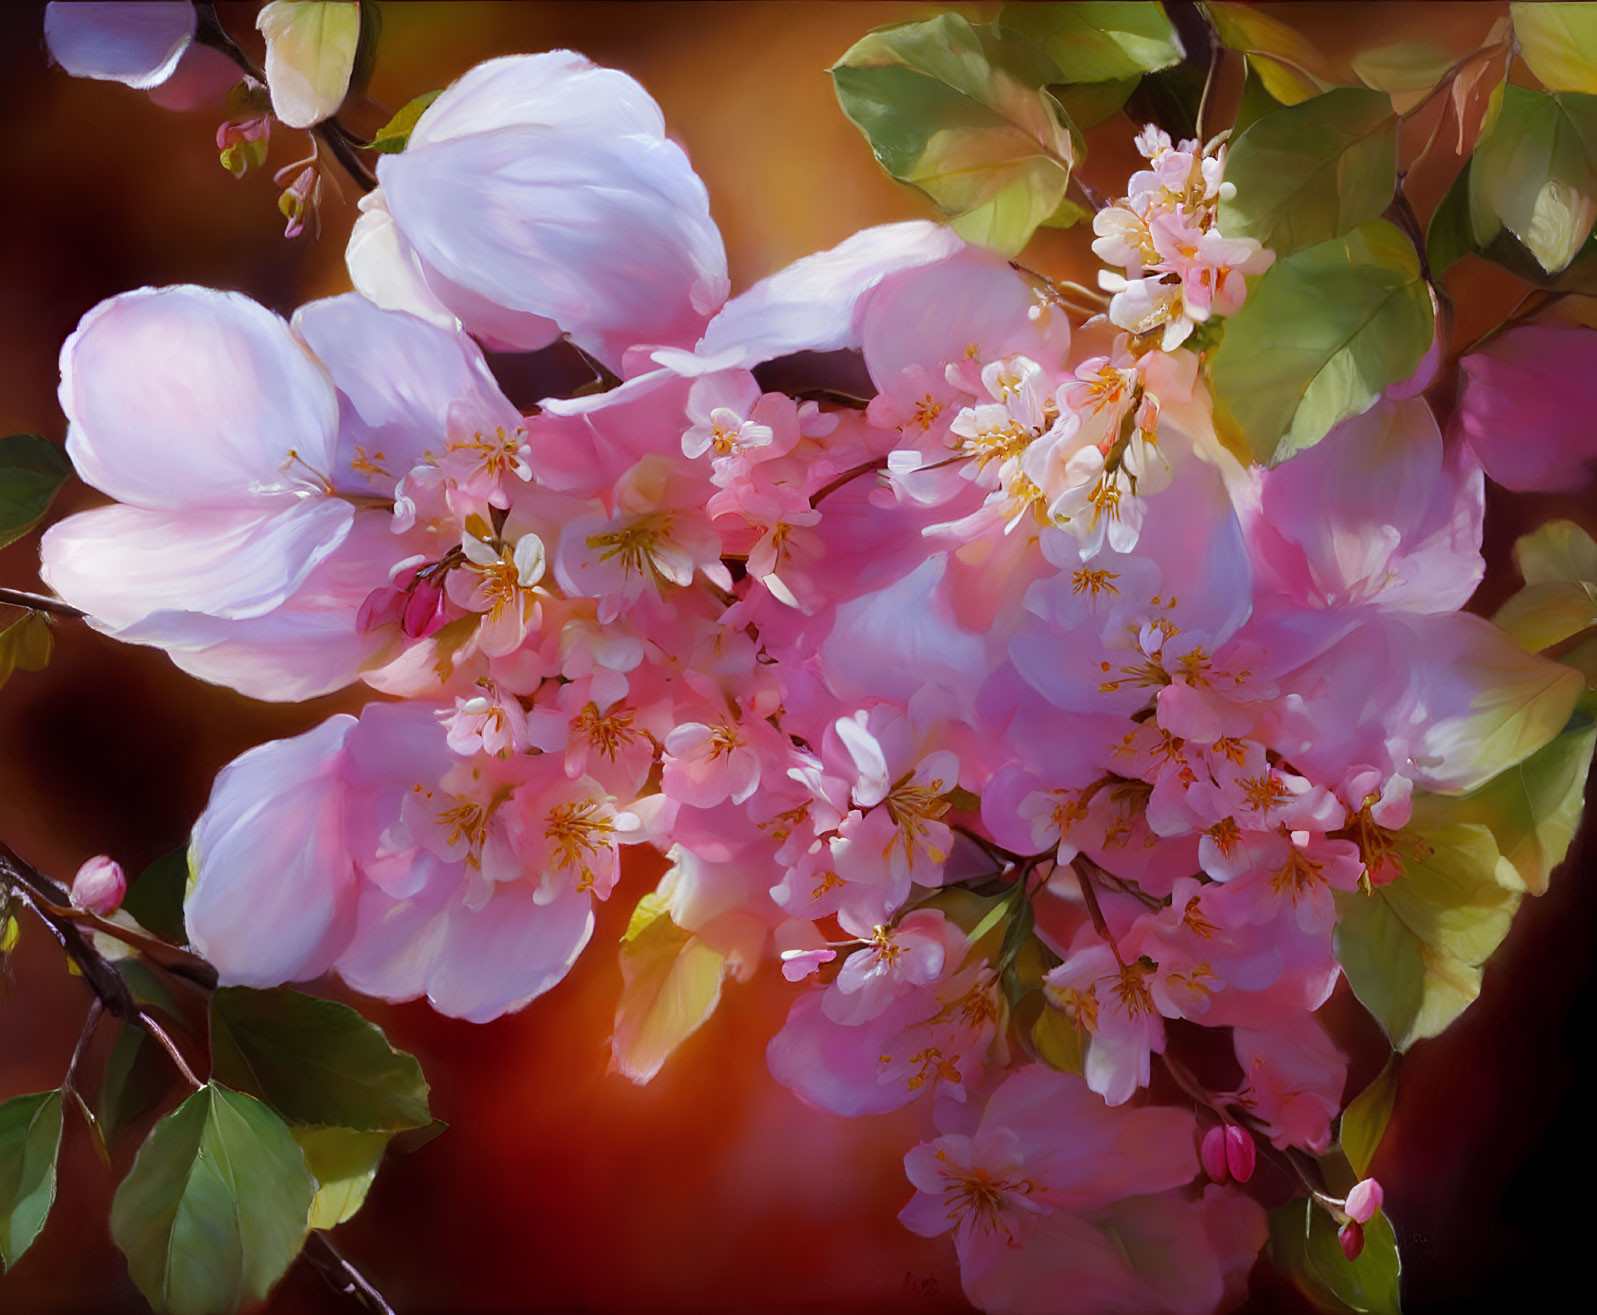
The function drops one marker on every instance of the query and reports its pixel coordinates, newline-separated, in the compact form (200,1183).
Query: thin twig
(334,1267)
(864,468)
(1079,866)
(40,603)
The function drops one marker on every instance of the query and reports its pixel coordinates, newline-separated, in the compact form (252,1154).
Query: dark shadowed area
(559,1187)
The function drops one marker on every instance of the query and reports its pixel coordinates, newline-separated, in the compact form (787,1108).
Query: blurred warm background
(559,1188)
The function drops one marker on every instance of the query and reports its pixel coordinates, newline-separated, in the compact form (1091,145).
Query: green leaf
(1284,60)
(1304,1247)
(1059,1041)
(1558,43)
(1532,809)
(1098,42)
(31,470)
(671,983)
(1310,172)
(147,986)
(1450,237)
(215,1207)
(394,135)
(314,1061)
(30,1137)
(1321,334)
(344,1163)
(1414,950)
(1541,615)
(1535,173)
(1558,550)
(1403,66)
(25,645)
(1087,104)
(1366,1116)
(1256,102)
(961,113)
(155,896)
(137,1074)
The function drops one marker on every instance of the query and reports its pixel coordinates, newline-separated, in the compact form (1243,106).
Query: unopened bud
(1213,1154)
(1352,1239)
(1364,1200)
(300,199)
(1240,1153)
(99,886)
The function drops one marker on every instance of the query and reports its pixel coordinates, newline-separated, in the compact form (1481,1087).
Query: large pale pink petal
(188,397)
(398,379)
(273,898)
(810,306)
(139,45)
(125,565)
(606,233)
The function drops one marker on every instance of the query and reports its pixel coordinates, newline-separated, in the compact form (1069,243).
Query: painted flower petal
(138,45)
(188,397)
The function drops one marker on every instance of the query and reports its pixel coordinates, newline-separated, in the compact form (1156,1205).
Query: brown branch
(864,468)
(40,603)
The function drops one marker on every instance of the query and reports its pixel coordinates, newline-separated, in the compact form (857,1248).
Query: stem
(40,603)
(996,852)
(333,134)
(864,468)
(1089,893)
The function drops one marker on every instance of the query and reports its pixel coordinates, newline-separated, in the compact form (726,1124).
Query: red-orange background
(559,1187)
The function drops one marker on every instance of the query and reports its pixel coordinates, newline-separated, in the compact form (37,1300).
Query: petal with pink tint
(138,45)
(124,565)
(584,218)
(273,895)
(187,397)
(811,305)
(402,384)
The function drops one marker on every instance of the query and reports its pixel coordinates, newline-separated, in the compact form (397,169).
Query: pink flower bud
(1352,1239)
(1240,1153)
(424,612)
(1213,1154)
(99,886)
(1364,1200)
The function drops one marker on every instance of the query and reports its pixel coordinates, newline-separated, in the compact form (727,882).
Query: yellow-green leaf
(310,55)
(1059,1041)
(1541,615)
(1323,332)
(394,135)
(1558,43)
(671,983)
(1366,1116)
(25,645)
(1098,42)
(1288,65)
(1532,809)
(344,1162)
(1403,66)
(1414,950)
(1309,172)
(1558,550)
(1535,173)
(960,112)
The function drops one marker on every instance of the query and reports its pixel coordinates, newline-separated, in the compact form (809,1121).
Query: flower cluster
(951,656)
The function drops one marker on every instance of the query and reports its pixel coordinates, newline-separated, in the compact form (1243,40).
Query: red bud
(1240,1153)
(1213,1154)
(1352,1239)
